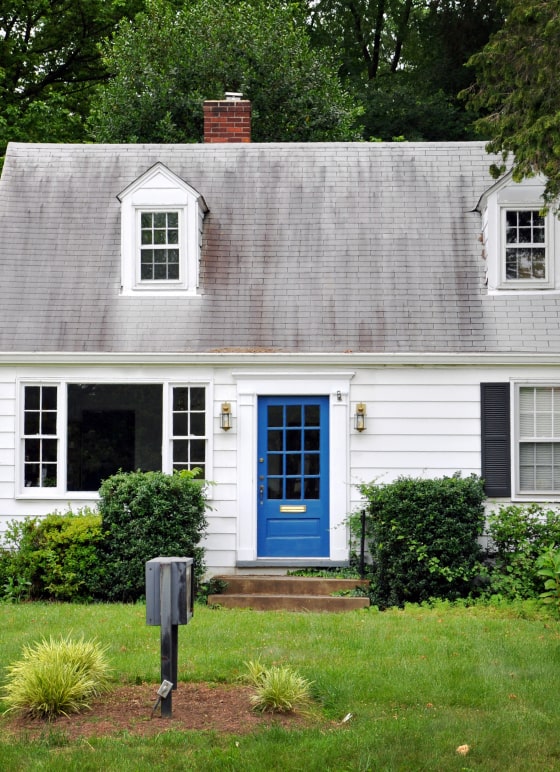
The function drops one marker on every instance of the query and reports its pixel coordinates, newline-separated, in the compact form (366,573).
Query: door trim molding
(250,386)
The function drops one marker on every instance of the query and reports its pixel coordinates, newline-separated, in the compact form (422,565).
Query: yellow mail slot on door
(294,508)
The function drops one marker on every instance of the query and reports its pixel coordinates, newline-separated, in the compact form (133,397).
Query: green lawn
(419,683)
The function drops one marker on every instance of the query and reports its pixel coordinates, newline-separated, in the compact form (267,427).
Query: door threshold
(292,563)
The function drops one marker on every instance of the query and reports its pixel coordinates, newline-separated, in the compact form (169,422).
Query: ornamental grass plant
(278,689)
(56,677)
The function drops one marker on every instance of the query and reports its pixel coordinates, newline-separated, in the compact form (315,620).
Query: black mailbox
(169,582)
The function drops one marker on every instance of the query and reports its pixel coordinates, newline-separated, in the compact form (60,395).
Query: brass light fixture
(225,416)
(360,417)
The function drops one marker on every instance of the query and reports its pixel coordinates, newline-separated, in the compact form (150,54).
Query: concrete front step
(289,593)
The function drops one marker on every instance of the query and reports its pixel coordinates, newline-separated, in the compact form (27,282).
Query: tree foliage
(518,90)
(405,60)
(168,62)
(49,60)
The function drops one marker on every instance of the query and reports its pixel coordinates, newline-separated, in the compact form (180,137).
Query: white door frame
(251,385)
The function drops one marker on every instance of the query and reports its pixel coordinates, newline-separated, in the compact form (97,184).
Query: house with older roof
(293,319)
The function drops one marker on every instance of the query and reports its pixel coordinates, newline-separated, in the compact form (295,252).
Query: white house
(292,318)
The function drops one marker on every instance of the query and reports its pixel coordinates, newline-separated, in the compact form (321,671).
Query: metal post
(168,640)
(363,544)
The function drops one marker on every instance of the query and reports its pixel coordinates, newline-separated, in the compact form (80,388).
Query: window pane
(180,424)
(48,401)
(31,422)
(197,424)
(32,397)
(181,451)
(32,476)
(48,423)
(181,398)
(198,398)
(112,427)
(197,452)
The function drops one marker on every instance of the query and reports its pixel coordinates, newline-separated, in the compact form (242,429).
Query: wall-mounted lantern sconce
(360,417)
(225,416)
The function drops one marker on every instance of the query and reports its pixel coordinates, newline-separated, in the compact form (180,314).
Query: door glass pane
(293,415)
(312,463)
(274,488)
(275,464)
(312,488)
(312,437)
(293,463)
(275,415)
(275,440)
(293,439)
(293,488)
(312,415)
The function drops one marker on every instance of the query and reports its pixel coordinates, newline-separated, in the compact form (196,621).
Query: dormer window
(519,238)
(161,235)
(159,246)
(524,245)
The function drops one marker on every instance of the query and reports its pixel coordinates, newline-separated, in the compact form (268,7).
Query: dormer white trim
(507,196)
(159,190)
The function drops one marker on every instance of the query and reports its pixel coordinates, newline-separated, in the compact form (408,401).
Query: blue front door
(293,477)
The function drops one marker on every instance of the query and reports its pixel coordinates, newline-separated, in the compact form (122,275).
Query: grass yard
(419,683)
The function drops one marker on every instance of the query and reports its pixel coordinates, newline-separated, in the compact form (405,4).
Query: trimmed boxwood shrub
(147,515)
(423,538)
(52,558)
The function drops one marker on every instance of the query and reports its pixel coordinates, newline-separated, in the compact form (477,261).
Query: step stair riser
(289,593)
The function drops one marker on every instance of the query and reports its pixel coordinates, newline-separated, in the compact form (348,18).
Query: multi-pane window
(539,439)
(159,246)
(189,428)
(108,427)
(293,451)
(40,441)
(525,247)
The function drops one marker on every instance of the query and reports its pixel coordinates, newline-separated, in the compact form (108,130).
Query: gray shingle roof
(307,247)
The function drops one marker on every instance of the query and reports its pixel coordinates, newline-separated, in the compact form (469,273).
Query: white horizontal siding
(421,422)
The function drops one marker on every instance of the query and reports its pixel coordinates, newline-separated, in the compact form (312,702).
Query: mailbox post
(169,603)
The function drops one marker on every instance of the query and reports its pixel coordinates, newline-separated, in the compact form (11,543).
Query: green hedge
(52,558)
(423,538)
(147,515)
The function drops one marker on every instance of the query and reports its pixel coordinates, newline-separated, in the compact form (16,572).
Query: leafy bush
(278,689)
(423,538)
(519,535)
(56,677)
(548,568)
(147,515)
(52,558)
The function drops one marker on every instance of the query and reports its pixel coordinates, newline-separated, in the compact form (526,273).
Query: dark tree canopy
(168,62)
(405,60)
(49,61)
(519,91)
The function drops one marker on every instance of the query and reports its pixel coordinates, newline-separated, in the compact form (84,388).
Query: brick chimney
(227,120)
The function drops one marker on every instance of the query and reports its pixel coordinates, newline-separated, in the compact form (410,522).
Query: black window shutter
(496,442)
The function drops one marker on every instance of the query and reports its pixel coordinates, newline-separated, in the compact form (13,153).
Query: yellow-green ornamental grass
(56,677)
(278,689)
